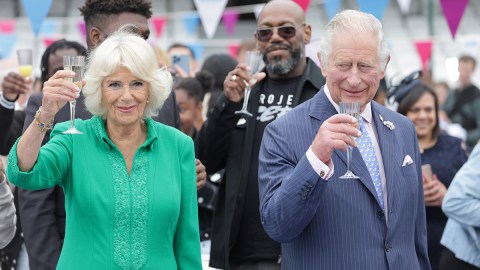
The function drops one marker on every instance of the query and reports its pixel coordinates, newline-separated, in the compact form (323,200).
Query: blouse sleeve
(8,218)
(51,168)
(462,201)
(187,237)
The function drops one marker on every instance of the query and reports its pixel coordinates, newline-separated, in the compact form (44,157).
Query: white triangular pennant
(210,12)
(404,5)
(257,9)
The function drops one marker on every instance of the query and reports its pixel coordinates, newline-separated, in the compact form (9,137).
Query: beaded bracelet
(43,126)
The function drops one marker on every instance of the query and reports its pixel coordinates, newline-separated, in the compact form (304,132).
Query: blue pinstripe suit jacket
(339,224)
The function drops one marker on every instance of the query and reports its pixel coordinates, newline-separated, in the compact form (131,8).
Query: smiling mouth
(126,109)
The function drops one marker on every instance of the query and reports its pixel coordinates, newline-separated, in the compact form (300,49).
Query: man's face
(114,22)
(285,47)
(465,70)
(353,71)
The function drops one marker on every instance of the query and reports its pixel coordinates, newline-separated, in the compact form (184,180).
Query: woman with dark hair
(443,153)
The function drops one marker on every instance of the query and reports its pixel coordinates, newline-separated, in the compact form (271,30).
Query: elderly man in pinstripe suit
(374,222)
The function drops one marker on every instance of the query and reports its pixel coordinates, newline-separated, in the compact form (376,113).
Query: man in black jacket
(231,141)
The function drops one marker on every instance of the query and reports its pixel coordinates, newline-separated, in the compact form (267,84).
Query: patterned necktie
(365,147)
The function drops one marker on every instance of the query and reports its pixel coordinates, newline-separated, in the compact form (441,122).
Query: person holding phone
(442,156)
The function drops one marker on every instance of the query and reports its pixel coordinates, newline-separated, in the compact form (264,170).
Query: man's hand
(15,84)
(236,81)
(201,174)
(335,133)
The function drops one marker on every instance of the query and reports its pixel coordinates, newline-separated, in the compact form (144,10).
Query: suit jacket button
(380,214)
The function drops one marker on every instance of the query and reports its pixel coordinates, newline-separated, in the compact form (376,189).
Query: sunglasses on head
(285,32)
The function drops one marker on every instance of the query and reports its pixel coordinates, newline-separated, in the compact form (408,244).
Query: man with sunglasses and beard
(232,141)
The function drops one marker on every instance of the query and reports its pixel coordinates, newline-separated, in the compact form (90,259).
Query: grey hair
(125,48)
(353,21)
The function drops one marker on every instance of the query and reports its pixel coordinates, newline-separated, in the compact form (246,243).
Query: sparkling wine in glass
(75,64)
(24,57)
(253,59)
(352,109)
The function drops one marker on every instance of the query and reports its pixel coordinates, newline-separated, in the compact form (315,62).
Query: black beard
(282,68)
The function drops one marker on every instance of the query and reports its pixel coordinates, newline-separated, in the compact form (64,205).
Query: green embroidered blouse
(147,220)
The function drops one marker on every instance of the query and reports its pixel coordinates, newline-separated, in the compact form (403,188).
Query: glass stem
(72,113)
(349,157)
(245,97)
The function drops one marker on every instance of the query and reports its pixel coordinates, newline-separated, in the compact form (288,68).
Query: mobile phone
(181,60)
(427,170)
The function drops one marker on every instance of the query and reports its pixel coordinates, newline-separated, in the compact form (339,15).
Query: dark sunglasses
(286,32)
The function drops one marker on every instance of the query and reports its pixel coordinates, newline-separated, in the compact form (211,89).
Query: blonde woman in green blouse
(129,182)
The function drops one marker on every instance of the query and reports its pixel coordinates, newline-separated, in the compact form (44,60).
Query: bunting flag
(36,12)
(304,4)
(257,9)
(82,28)
(191,22)
(210,12)
(404,6)
(230,19)
(197,49)
(233,49)
(453,11)
(47,41)
(424,49)
(332,7)
(376,8)
(159,24)
(49,27)
(7,41)
(7,26)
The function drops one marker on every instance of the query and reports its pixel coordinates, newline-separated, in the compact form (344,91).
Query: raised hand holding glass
(253,59)
(352,109)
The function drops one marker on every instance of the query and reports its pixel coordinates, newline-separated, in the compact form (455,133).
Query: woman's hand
(434,191)
(56,92)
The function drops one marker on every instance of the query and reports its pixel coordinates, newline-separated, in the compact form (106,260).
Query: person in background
(376,221)
(463,104)
(231,141)
(443,155)
(123,147)
(8,218)
(189,95)
(381,94)
(180,49)
(461,203)
(218,65)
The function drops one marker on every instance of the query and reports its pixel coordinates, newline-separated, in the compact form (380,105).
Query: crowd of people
(168,169)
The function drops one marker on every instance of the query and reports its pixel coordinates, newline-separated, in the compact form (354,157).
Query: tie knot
(361,124)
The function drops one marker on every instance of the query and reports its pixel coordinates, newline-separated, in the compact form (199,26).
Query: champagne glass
(352,109)
(75,64)
(24,57)
(253,59)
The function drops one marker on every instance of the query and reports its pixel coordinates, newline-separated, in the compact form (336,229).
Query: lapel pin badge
(388,124)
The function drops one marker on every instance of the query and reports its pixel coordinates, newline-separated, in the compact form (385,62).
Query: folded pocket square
(407,160)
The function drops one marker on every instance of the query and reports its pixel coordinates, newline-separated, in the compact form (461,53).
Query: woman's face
(189,110)
(125,98)
(423,116)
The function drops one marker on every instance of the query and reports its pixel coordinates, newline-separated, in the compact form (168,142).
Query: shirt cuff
(325,171)
(6,103)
